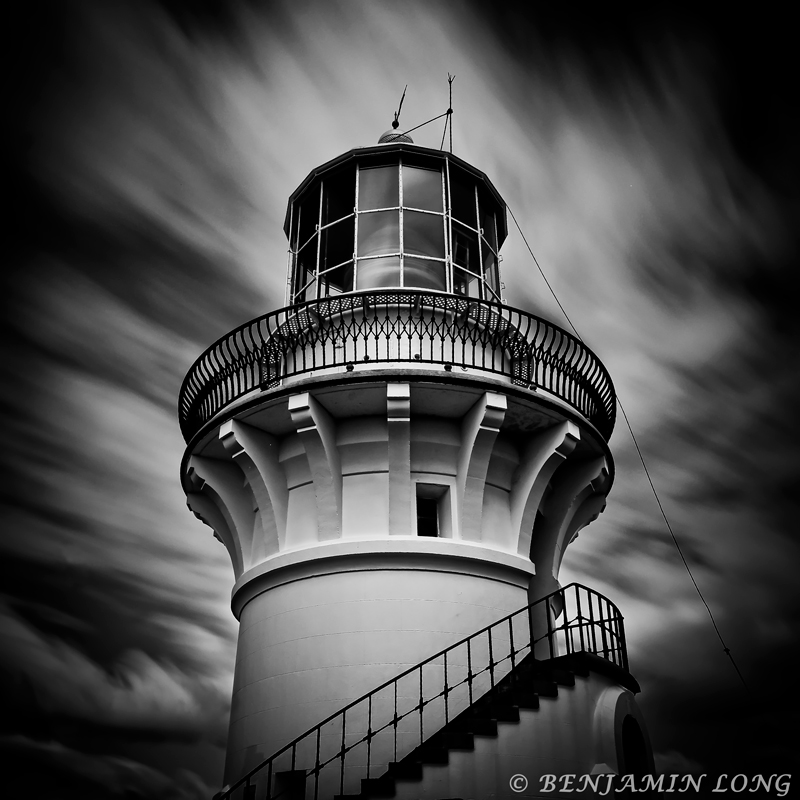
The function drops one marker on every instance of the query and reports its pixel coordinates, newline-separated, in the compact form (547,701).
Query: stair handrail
(612,648)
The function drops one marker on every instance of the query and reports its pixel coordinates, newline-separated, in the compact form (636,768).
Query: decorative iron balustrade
(397,326)
(382,727)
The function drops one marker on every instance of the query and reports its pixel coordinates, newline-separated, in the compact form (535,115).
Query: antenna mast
(450,79)
(448,114)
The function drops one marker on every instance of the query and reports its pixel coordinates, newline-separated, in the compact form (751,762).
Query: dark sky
(652,163)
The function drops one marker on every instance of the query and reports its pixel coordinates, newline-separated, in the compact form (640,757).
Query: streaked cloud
(162,151)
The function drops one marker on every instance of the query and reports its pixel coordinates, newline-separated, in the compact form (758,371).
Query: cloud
(135,693)
(674,762)
(63,770)
(161,157)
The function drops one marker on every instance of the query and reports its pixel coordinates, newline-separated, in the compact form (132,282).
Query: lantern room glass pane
(465,249)
(309,218)
(422,188)
(490,268)
(337,244)
(338,196)
(378,233)
(462,200)
(378,187)
(423,234)
(309,294)
(489,232)
(423,274)
(306,264)
(337,280)
(305,286)
(376,273)
(465,283)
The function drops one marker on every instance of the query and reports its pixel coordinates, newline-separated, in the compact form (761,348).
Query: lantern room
(395,215)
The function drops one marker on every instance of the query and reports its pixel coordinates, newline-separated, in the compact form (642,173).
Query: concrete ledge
(410,553)
(391,373)
(581,662)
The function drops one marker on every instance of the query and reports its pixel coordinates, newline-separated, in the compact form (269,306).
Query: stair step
(378,787)
(432,755)
(545,688)
(405,770)
(502,712)
(482,726)
(526,700)
(451,738)
(458,740)
(289,784)
(563,677)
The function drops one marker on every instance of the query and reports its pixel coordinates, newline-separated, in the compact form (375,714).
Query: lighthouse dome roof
(392,135)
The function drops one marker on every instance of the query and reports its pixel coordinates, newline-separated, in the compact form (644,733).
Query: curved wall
(310,644)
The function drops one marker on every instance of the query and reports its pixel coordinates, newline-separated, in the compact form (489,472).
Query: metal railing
(398,326)
(386,724)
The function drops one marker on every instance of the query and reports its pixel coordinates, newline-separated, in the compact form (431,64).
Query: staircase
(520,689)
(394,740)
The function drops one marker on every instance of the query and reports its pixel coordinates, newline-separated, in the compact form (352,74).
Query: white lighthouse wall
(309,646)
(365,505)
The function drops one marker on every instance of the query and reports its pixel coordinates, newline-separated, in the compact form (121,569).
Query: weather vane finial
(396,121)
(448,115)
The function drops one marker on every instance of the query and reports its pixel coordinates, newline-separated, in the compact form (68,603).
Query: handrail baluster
(343,753)
(491,659)
(446,692)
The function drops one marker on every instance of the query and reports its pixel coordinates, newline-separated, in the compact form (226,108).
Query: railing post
(511,642)
(317,766)
(531,637)
(568,625)
(580,617)
(395,720)
(343,752)
(623,647)
(421,707)
(491,658)
(469,669)
(446,691)
(604,633)
(369,735)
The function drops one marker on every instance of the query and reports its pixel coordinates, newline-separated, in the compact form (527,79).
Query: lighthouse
(396,462)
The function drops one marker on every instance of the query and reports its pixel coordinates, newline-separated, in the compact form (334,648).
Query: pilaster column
(398,416)
(317,433)
(479,431)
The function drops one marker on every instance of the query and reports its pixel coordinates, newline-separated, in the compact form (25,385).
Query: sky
(651,163)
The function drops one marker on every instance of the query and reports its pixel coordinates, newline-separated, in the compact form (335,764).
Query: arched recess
(633,755)
(621,743)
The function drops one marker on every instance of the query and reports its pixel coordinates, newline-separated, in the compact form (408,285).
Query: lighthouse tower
(396,462)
